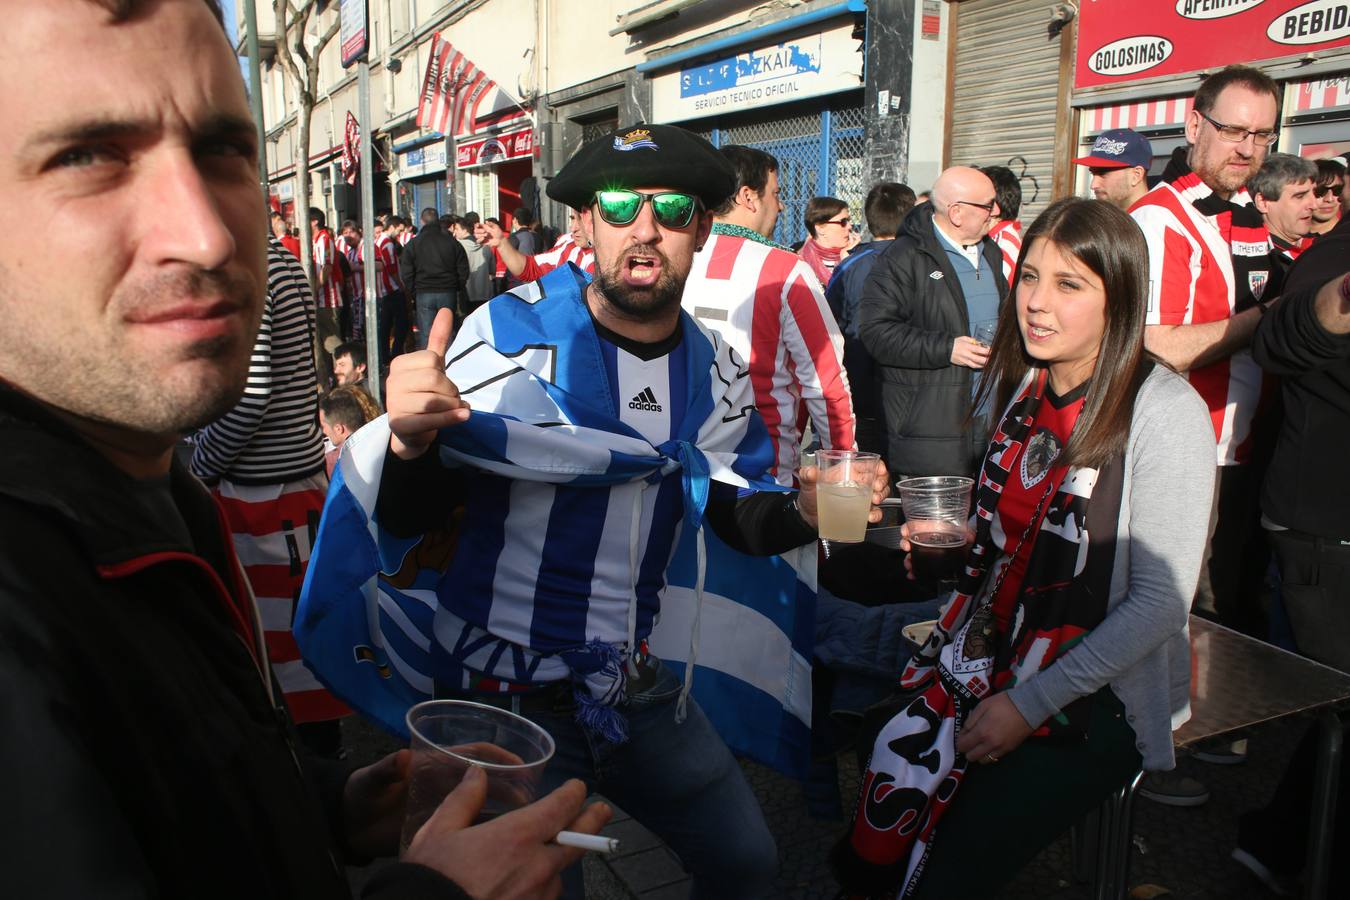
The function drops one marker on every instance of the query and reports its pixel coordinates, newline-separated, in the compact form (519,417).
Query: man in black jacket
(1305,339)
(435,273)
(147,751)
(939,278)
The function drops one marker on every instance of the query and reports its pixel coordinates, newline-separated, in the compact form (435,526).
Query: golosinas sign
(1126,40)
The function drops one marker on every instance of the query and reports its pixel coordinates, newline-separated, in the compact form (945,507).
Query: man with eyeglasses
(1211,281)
(766,303)
(940,277)
(607,427)
(1328,194)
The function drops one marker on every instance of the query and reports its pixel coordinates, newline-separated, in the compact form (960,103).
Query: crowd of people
(1147,389)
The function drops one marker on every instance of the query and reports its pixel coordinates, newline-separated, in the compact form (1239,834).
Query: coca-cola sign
(1124,40)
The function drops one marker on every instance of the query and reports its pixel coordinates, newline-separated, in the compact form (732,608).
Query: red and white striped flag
(452,90)
(351,149)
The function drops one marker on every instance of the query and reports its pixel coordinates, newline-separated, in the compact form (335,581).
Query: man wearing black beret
(564,553)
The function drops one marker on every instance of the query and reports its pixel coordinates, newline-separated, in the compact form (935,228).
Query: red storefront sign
(1126,40)
(486,151)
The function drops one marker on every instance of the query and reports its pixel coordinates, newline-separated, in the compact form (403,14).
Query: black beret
(645,156)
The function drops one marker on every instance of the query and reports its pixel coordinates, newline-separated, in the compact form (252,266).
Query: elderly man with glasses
(940,279)
(1211,281)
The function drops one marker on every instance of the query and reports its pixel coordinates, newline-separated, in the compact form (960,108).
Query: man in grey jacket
(479,288)
(939,278)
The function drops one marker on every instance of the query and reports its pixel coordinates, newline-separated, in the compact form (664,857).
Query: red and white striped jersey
(767,304)
(273,527)
(328,295)
(404,238)
(386,251)
(1191,282)
(565,251)
(1007,234)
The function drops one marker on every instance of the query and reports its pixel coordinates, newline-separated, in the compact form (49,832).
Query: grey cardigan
(1142,646)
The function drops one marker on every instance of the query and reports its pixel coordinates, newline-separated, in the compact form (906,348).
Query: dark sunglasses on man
(671,209)
(1333,189)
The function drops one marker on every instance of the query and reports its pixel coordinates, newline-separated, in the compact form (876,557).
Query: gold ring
(989,757)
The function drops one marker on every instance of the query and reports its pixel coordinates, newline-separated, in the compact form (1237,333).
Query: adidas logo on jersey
(645,400)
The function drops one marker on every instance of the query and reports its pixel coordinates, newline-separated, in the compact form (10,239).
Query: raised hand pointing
(420,398)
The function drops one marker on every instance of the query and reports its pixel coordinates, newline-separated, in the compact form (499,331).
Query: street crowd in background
(1166,365)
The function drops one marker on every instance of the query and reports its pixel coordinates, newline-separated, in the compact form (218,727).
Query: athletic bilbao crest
(639,139)
(1042,451)
(1257,282)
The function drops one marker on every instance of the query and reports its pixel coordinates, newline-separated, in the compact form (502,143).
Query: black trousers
(1315,576)
(1007,812)
(1234,569)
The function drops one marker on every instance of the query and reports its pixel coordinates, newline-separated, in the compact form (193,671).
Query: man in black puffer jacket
(435,272)
(147,751)
(939,278)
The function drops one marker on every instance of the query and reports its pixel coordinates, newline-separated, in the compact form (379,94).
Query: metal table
(1237,682)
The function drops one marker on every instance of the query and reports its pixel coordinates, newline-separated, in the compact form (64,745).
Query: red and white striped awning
(1169,111)
(1324,93)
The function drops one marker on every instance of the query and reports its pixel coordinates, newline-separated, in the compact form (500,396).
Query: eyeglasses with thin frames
(1236,134)
(987,207)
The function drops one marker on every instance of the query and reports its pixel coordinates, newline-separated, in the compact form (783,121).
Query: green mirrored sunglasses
(670,208)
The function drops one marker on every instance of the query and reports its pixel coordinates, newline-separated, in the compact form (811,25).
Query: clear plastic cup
(844,493)
(449,736)
(936,508)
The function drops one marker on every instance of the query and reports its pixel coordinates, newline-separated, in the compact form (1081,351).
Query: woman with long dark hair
(1060,665)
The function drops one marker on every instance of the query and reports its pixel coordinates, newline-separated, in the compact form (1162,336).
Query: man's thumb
(442,327)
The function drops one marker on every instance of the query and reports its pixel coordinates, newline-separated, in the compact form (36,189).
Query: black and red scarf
(914,770)
(1241,225)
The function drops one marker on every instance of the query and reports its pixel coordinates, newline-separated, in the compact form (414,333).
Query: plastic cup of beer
(449,736)
(936,508)
(844,493)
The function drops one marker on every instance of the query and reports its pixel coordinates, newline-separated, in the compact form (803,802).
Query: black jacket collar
(45,463)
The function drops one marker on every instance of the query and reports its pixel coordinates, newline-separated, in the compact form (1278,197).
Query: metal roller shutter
(1004,86)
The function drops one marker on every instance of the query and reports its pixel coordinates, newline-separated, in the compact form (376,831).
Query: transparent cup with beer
(844,493)
(936,508)
(450,736)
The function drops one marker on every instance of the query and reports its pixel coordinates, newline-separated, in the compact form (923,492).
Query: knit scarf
(748,233)
(914,770)
(1239,222)
(821,259)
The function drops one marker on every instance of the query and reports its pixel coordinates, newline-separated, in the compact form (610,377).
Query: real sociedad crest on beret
(635,140)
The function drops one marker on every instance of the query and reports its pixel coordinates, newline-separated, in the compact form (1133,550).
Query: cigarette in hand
(593,842)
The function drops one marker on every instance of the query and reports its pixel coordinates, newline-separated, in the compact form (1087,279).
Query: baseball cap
(645,156)
(1117,149)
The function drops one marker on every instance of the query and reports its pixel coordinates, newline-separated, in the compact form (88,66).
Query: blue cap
(1118,148)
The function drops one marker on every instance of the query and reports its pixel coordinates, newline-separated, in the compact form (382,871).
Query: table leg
(1330,749)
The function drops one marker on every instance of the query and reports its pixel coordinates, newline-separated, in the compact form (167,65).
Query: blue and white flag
(578,531)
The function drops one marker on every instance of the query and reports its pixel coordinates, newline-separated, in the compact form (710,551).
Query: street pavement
(1183,850)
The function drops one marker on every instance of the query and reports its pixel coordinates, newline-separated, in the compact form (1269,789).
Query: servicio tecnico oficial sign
(1124,40)
(796,69)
